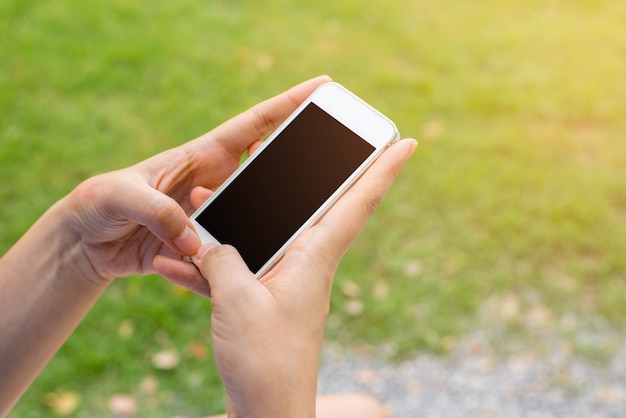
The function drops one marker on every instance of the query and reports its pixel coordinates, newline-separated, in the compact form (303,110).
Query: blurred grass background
(509,220)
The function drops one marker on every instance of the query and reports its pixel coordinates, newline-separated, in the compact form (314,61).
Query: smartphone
(295,176)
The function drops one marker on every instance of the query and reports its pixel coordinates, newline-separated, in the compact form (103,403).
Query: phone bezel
(351,111)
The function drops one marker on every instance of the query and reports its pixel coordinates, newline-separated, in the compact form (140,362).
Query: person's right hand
(267,334)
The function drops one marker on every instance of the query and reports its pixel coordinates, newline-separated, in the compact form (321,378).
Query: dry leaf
(197,350)
(149,385)
(413,268)
(166,359)
(353,307)
(450,268)
(539,316)
(126,329)
(123,405)
(62,403)
(510,309)
(433,129)
(380,290)
(350,289)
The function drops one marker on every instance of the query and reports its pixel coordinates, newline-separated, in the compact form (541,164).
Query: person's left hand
(135,220)
(267,334)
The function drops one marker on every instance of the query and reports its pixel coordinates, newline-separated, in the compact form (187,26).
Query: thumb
(109,200)
(227,273)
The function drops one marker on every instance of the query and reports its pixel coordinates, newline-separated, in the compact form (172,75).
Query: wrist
(75,261)
(51,249)
(43,296)
(276,388)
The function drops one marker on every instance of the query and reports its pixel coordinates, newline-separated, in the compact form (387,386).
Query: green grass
(514,204)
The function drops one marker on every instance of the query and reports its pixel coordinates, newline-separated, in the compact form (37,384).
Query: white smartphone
(295,176)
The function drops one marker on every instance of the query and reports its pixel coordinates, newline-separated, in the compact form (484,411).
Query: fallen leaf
(450,268)
(413,268)
(539,316)
(353,307)
(166,359)
(62,403)
(380,290)
(197,350)
(149,385)
(126,329)
(433,129)
(122,405)
(350,289)
(510,309)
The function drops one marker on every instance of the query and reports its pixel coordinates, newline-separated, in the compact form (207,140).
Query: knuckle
(263,123)
(370,200)
(371,204)
(165,216)
(220,252)
(165,210)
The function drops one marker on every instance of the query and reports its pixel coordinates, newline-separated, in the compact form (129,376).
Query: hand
(130,221)
(135,220)
(267,334)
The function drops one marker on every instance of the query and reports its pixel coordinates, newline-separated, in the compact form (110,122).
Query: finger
(127,196)
(227,274)
(353,209)
(168,221)
(238,133)
(199,195)
(183,274)
(254,147)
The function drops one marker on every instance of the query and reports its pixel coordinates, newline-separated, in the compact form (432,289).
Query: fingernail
(412,147)
(188,242)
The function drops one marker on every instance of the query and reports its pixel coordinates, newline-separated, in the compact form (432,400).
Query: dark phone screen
(284,185)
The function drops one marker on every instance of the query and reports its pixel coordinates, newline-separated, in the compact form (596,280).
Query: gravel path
(473,382)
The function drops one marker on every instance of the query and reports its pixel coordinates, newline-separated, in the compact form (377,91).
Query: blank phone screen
(284,185)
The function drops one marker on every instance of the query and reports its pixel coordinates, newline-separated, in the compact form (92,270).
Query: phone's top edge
(342,87)
(393,133)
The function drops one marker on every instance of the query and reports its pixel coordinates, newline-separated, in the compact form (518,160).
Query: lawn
(509,220)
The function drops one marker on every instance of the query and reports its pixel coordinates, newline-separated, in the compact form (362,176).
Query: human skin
(270,367)
(135,221)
